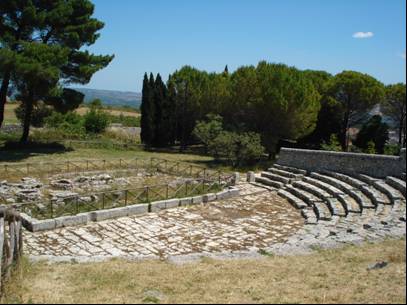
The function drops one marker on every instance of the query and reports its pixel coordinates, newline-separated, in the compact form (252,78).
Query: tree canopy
(41,51)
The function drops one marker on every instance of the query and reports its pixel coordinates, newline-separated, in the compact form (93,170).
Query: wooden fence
(11,242)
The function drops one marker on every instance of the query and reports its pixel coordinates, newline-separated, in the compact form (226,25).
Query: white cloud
(361,35)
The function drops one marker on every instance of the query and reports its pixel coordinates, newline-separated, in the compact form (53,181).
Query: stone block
(222,195)
(234,192)
(197,200)
(68,221)
(42,225)
(137,209)
(164,204)
(250,177)
(185,201)
(209,197)
(110,214)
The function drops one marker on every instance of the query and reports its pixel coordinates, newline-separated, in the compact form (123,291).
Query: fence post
(52,208)
(103,201)
(148,195)
(167,191)
(125,197)
(77,204)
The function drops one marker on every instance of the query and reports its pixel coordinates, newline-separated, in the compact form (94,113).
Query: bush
(39,115)
(237,149)
(56,120)
(96,121)
(333,144)
(207,131)
(392,149)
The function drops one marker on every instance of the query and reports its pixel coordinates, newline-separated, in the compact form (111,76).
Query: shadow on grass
(199,150)
(16,151)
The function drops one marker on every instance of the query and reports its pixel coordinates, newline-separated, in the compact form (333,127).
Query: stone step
(284,173)
(383,210)
(310,216)
(370,198)
(321,209)
(349,203)
(398,184)
(275,177)
(392,193)
(334,206)
(269,182)
(295,201)
(346,188)
(290,169)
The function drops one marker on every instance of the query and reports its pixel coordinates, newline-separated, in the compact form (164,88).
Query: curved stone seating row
(329,196)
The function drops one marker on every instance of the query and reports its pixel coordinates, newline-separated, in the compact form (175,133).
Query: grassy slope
(334,276)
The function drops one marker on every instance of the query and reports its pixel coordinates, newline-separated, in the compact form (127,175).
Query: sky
(161,36)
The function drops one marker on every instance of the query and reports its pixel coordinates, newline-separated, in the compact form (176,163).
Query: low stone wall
(35,225)
(379,166)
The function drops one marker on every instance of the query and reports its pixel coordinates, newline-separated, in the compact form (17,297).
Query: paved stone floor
(237,227)
(253,221)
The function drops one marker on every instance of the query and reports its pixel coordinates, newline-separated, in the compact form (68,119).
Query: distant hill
(112,98)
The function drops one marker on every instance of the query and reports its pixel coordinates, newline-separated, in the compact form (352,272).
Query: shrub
(96,121)
(237,149)
(392,149)
(371,148)
(207,131)
(333,144)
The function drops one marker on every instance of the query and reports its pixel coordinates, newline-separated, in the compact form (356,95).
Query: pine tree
(45,51)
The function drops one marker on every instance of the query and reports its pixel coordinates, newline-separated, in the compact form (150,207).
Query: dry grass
(83,110)
(9,114)
(334,276)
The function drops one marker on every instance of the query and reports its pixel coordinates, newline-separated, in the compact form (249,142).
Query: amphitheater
(306,201)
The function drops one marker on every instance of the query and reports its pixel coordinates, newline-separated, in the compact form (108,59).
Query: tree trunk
(29,104)
(3,95)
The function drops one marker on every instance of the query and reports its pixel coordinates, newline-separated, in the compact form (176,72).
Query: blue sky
(163,35)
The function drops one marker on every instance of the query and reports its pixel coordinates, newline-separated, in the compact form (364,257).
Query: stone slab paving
(253,221)
(239,227)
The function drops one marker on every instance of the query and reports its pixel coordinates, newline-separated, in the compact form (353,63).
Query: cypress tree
(159,100)
(144,111)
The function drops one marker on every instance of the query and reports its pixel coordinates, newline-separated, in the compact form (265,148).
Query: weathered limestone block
(197,200)
(209,197)
(250,177)
(185,201)
(164,204)
(137,209)
(68,221)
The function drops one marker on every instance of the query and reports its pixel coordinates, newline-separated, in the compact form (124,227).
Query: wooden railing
(11,242)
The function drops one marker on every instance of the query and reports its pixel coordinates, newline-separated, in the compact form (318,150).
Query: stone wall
(379,166)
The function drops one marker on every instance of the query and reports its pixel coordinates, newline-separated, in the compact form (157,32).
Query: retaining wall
(378,166)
